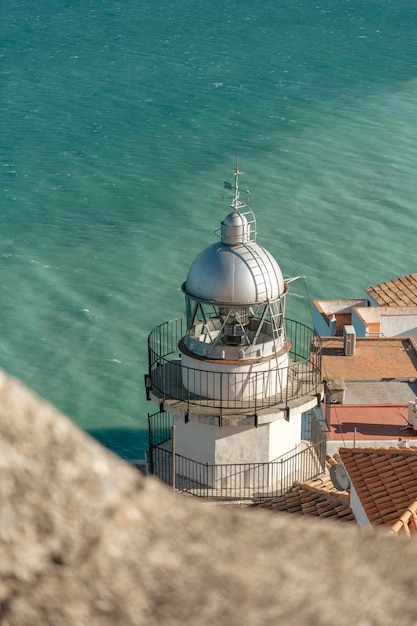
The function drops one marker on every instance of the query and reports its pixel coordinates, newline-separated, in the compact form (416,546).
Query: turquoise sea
(120,120)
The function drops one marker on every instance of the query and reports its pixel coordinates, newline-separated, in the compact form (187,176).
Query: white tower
(234,382)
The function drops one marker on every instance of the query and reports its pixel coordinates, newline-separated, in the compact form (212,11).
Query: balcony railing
(169,379)
(233,481)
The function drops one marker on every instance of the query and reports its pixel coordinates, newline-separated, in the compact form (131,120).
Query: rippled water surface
(119,123)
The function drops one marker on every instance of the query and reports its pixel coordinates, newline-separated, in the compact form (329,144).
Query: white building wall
(258,445)
(231,444)
(392,325)
(242,445)
(215,379)
(284,436)
(195,441)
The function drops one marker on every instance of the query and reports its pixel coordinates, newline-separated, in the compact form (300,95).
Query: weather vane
(236,202)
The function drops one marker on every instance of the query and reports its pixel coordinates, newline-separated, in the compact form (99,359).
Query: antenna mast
(236,201)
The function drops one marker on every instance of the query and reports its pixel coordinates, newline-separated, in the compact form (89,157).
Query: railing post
(150,350)
(206,482)
(150,443)
(173,470)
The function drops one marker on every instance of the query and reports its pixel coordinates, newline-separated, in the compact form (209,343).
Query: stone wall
(85,539)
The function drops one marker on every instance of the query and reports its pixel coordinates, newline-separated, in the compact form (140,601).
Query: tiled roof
(398,292)
(385,480)
(315,498)
(407,523)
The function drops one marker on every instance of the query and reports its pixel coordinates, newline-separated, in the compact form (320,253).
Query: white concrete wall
(330,307)
(370,314)
(232,444)
(258,445)
(284,436)
(195,441)
(393,325)
(242,445)
(237,380)
(393,321)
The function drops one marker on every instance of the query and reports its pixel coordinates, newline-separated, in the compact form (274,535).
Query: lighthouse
(233,376)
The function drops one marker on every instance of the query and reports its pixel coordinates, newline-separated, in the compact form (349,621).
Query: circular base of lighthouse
(234,380)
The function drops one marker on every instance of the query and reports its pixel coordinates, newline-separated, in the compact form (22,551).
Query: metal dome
(235,229)
(242,274)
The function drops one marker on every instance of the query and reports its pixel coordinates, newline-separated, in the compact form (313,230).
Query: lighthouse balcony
(198,386)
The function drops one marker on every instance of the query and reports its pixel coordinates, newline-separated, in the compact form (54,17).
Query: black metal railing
(234,481)
(170,379)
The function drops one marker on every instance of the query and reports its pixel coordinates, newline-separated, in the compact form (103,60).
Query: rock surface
(85,539)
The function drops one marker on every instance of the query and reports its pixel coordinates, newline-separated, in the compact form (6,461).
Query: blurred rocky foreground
(85,539)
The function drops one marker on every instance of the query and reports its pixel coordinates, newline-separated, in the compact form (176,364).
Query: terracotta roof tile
(398,292)
(385,480)
(375,518)
(385,497)
(315,498)
(407,522)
